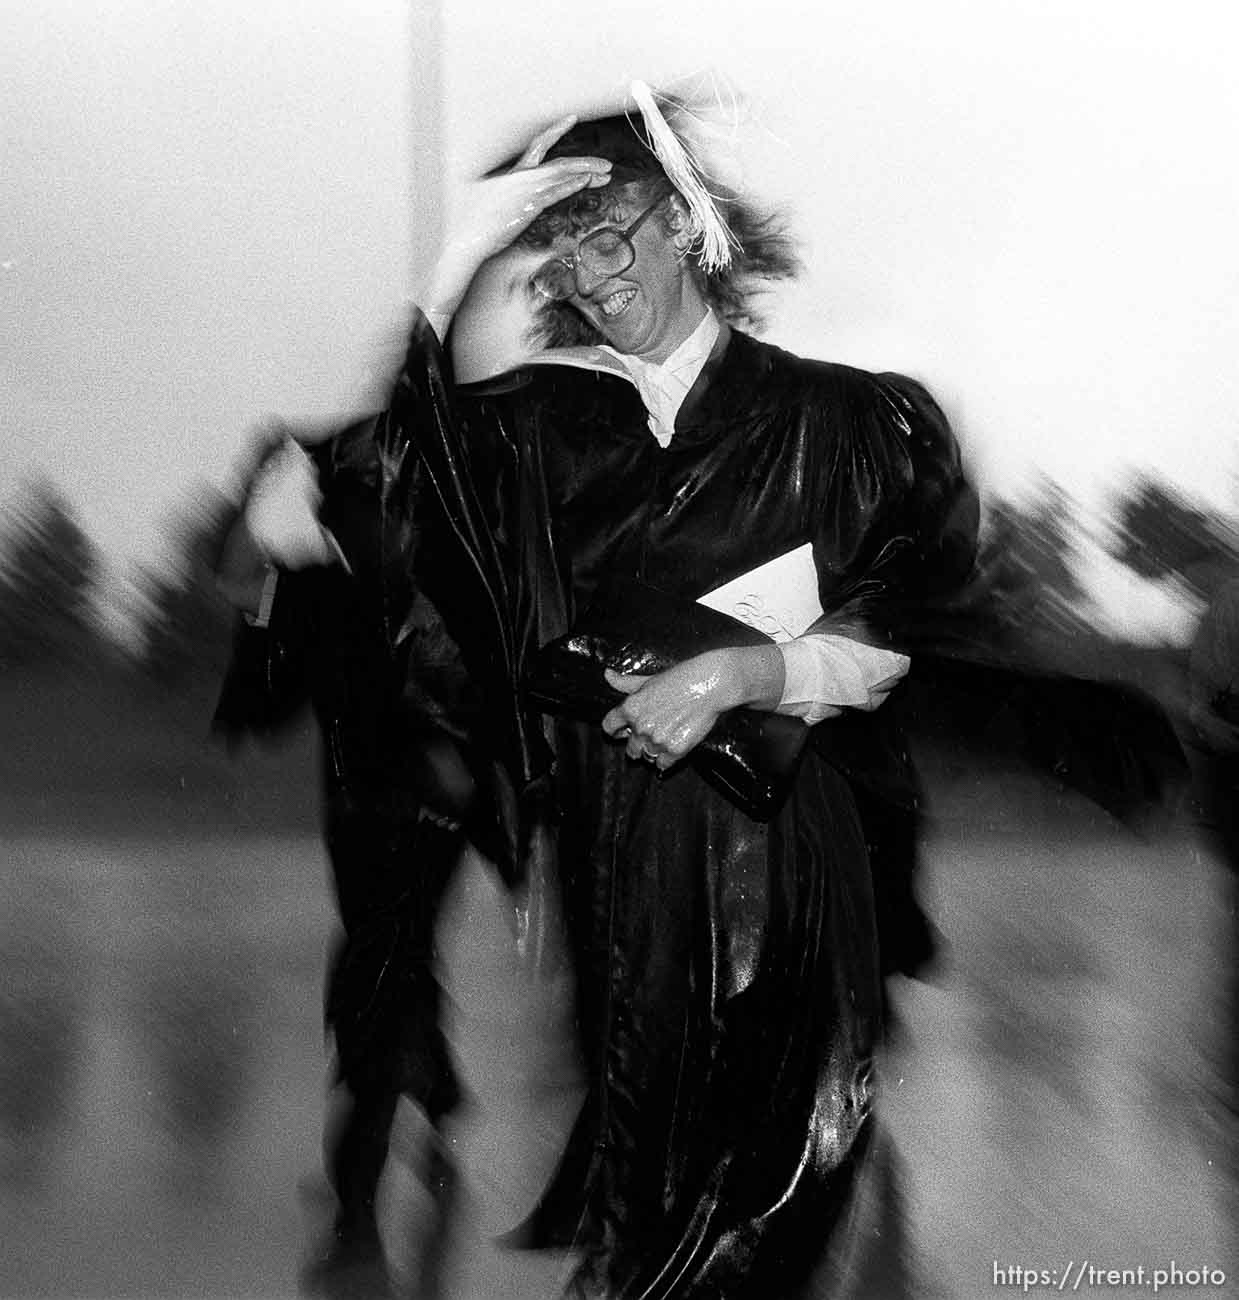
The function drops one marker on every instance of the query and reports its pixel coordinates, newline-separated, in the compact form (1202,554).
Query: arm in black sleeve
(268,681)
(914,516)
(271,676)
(1107,740)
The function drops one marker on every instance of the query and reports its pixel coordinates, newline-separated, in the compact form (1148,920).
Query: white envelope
(778,598)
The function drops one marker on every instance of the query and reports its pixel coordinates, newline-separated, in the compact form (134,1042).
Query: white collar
(663,386)
(685,362)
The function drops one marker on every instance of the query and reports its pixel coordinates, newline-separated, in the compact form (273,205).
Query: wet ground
(1055,1096)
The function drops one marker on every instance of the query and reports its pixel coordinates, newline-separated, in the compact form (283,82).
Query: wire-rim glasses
(604,252)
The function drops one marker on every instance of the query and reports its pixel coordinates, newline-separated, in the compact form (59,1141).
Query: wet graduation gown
(727,972)
(394,795)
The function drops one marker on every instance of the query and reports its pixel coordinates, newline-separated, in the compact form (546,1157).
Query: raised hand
(491,213)
(281,510)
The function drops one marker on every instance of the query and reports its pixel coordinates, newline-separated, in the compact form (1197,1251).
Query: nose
(587,281)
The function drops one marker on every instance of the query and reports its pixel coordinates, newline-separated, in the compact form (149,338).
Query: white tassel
(715,240)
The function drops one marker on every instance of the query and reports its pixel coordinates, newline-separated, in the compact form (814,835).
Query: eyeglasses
(605,252)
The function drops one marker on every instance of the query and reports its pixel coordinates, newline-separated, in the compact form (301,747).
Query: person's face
(649,309)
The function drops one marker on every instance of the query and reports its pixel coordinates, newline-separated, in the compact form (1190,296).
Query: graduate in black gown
(726,957)
(727,967)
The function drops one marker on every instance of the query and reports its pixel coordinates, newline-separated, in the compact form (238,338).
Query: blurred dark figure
(395,792)
(1214,685)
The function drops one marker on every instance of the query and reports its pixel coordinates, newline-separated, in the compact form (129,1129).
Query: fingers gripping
(642,736)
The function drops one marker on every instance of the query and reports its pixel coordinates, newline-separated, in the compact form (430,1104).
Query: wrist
(750,676)
(448,282)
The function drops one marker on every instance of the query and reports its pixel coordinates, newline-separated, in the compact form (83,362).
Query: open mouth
(614,304)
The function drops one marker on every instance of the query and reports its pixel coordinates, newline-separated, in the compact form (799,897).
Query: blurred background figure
(395,794)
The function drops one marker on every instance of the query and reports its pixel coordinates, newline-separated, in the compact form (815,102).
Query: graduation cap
(654,139)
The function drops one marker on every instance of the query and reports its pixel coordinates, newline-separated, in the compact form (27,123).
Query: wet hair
(767,251)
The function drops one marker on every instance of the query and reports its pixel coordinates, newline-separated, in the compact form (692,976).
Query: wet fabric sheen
(727,969)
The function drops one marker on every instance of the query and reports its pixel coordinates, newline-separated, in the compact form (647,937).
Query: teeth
(616,303)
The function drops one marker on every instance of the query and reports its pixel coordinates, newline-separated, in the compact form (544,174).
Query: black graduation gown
(727,972)
(727,969)
(391,712)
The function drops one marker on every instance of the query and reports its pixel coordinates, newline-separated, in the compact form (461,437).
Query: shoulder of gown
(881,434)
(863,402)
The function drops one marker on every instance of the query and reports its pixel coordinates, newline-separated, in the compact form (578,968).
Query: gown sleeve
(442,462)
(378,499)
(895,549)
(900,523)
(266,683)
(914,586)
(271,675)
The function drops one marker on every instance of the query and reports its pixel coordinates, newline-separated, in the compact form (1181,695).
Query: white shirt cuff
(825,674)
